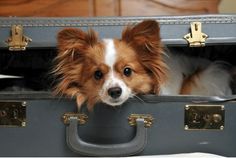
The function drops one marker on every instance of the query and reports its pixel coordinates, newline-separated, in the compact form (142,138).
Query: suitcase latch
(18,41)
(196,38)
(13,114)
(204,117)
(148,119)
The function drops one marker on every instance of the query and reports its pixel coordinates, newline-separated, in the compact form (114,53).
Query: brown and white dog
(113,70)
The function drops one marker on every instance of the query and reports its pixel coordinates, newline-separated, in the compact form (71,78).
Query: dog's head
(110,70)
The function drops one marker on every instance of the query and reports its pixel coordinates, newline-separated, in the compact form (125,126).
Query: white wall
(227,6)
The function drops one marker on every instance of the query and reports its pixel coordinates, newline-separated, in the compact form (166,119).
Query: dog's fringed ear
(75,39)
(72,44)
(143,35)
(145,39)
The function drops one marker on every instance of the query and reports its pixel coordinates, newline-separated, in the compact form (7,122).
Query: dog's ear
(72,44)
(75,39)
(145,39)
(145,35)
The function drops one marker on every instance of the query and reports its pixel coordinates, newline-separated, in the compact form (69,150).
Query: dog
(114,70)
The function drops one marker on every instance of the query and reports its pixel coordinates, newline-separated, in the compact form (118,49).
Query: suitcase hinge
(82,118)
(148,119)
(18,41)
(196,38)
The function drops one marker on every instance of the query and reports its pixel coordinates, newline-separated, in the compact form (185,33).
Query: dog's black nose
(115,92)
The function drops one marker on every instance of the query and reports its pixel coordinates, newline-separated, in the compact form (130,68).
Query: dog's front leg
(80,99)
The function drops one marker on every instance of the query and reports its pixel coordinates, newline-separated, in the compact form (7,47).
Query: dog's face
(110,70)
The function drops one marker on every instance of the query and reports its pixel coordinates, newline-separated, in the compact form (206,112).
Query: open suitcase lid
(41,32)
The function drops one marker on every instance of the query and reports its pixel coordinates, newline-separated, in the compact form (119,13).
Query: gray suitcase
(36,123)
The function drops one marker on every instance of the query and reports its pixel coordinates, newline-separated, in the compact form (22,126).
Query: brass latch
(12,114)
(196,38)
(204,117)
(82,118)
(18,41)
(148,119)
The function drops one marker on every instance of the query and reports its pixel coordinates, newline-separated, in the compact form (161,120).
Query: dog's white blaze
(110,53)
(112,80)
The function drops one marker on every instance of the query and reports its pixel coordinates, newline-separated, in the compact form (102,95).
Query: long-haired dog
(113,70)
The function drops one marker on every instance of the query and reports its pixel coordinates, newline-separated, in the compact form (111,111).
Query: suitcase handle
(76,144)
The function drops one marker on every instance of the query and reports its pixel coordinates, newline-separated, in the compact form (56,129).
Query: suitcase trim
(149,98)
(111,21)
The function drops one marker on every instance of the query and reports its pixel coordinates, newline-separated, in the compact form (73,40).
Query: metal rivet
(222,107)
(186,127)
(23,103)
(23,124)
(186,107)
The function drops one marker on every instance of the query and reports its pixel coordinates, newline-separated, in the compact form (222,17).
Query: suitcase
(36,123)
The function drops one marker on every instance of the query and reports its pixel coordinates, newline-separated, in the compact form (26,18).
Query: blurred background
(90,8)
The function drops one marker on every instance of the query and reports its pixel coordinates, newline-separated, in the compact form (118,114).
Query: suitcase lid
(43,31)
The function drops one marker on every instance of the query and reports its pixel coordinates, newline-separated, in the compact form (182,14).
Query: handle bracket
(148,119)
(81,118)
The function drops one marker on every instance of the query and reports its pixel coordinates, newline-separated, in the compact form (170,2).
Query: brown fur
(77,50)
(189,82)
(81,54)
(144,38)
(140,81)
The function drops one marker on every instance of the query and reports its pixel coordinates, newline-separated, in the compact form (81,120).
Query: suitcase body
(33,122)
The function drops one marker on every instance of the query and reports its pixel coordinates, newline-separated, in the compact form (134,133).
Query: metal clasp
(12,114)
(204,117)
(18,41)
(196,38)
(148,119)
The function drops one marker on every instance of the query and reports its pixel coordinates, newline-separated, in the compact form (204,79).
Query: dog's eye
(127,71)
(98,75)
